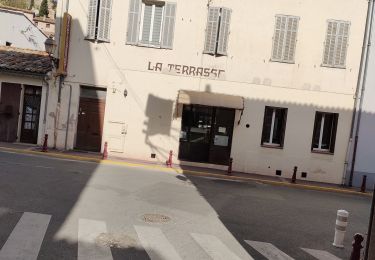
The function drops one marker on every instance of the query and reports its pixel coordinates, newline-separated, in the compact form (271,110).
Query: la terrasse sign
(192,71)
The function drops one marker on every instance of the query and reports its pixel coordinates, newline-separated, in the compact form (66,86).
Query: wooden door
(30,115)
(9,111)
(90,121)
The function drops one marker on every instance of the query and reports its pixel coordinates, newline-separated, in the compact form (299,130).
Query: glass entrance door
(30,116)
(206,134)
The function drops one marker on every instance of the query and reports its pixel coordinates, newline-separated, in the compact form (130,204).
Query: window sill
(281,61)
(320,151)
(148,46)
(275,146)
(333,67)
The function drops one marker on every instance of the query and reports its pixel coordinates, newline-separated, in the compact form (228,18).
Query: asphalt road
(61,209)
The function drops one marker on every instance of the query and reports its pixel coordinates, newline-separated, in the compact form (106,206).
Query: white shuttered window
(151,23)
(285,38)
(336,44)
(99,20)
(217,30)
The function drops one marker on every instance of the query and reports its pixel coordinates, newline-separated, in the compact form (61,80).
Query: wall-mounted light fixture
(125,93)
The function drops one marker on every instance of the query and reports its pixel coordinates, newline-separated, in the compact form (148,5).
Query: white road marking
(156,244)
(88,246)
(321,255)
(214,247)
(268,250)
(26,238)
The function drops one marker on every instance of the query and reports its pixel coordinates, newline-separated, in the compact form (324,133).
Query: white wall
(20,31)
(304,87)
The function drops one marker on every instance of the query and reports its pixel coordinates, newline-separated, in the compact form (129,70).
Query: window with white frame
(274,126)
(324,136)
(151,23)
(336,44)
(285,38)
(217,30)
(99,20)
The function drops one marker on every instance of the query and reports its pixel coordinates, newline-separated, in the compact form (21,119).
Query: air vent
(278,172)
(304,174)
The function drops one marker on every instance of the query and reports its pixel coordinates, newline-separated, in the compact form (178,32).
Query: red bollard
(105,151)
(169,161)
(230,167)
(45,144)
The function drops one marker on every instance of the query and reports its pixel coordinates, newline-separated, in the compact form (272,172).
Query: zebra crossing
(26,239)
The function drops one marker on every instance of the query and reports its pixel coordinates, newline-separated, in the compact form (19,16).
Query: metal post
(294,177)
(105,151)
(230,166)
(370,245)
(364,181)
(357,247)
(45,143)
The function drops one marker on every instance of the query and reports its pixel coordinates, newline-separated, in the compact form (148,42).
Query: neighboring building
(268,84)
(365,157)
(18,30)
(23,95)
(47,25)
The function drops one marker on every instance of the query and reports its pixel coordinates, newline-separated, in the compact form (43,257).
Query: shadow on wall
(248,151)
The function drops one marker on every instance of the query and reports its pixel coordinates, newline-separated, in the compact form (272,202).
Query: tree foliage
(15,3)
(43,10)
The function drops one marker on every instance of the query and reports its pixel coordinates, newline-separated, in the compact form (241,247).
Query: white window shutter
(344,46)
(168,25)
(290,39)
(91,19)
(157,25)
(336,44)
(104,24)
(224,31)
(279,38)
(146,24)
(212,30)
(133,22)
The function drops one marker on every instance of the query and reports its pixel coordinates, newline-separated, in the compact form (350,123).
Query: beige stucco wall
(34,81)
(303,87)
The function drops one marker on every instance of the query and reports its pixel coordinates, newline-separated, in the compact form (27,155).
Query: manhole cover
(155,218)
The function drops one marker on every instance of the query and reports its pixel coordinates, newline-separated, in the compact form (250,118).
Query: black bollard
(294,177)
(364,181)
(230,166)
(357,246)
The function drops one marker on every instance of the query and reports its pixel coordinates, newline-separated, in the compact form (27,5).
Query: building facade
(364,121)
(270,85)
(23,95)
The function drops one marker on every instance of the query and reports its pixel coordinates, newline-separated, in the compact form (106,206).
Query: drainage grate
(155,218)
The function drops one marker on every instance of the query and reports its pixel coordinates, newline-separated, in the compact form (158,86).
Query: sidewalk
(181,169)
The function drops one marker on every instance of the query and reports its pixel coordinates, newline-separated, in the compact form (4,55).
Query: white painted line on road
(156,244)
(268,250)
(321,255)
(88,247)
(26,238)
(214,247)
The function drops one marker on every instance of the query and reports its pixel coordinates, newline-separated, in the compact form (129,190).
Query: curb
(186,172)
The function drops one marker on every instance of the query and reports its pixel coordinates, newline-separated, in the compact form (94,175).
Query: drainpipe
(45,80)
(359,93)
(68,117)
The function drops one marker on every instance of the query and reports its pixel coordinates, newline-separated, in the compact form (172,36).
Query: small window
(47,25)
(217,31)
(99,20)
(274,126)
(8,44)
(36,23)
(336,44)
(324,135)
(285,38)
(151,23)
